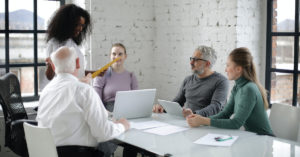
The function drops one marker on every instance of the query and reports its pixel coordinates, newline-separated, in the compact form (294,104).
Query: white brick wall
(251,31)
(130,22)
(182,26)
(161,35)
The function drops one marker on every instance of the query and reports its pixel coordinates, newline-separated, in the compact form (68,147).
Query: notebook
(134,103)
(170,107)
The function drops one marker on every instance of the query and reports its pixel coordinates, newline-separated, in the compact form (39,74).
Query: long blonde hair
(242,57)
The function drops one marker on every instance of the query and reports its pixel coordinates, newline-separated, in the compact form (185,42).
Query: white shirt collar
(67,75)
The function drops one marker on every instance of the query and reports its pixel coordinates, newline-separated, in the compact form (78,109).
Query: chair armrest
(17,136)
(21,121)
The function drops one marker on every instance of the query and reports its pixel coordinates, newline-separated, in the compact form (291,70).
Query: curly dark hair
(65,20)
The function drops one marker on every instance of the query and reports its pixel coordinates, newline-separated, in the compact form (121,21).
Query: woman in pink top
(116,78)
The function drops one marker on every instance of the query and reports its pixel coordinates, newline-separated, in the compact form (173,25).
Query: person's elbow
(236,124)
(210,111)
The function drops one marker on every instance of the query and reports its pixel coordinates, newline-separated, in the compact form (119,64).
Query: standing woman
(116,78)
(248,100)
(68,27)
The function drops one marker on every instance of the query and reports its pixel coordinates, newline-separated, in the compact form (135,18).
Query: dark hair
(242,57)
(118,45)
(65,20)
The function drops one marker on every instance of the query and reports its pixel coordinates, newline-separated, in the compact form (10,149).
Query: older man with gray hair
(73,110)
(205,91)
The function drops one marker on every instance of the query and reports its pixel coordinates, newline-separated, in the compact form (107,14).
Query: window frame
(271,34)
(35,33)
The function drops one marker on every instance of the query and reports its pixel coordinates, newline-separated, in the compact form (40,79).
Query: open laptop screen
(134,103)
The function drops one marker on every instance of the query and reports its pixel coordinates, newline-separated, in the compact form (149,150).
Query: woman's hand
(49,71)
(186,112)
(195,120)
(87,79)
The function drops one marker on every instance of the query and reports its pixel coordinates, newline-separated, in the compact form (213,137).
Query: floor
(118,152)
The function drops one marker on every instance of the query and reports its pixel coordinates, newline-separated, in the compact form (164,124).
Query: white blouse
(52,46)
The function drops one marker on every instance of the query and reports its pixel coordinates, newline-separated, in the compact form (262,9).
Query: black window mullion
(281,70)
(295,74)
(6,37)
(269,47)
(35,48)
(23,65)
(285,33)
(35,32)
(270,35)
(296,55)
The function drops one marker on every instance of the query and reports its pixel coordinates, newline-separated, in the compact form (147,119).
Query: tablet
(172,108)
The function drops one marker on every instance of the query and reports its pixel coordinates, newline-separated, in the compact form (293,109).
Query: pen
(222,138)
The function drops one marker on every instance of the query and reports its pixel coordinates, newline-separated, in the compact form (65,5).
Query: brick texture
(161,35)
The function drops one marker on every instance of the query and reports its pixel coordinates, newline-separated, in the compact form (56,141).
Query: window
(282,61)
(23,25)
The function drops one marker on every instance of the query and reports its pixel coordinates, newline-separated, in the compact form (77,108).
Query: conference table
(181,144)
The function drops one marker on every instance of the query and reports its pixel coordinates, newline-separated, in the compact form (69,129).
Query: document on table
(210,139)
(166,130)
(147,124)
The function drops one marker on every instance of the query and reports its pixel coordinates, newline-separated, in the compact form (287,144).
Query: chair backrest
(13,109)
(284,121)
(40,141)
(10,98)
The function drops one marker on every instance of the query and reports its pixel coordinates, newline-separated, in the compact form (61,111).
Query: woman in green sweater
(247,102)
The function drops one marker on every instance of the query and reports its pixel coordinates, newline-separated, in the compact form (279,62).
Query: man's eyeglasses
(196,59)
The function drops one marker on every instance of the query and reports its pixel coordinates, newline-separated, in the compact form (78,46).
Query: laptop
(172,108)
(134,103)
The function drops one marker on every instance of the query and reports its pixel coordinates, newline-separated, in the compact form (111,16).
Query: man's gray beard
(198,72)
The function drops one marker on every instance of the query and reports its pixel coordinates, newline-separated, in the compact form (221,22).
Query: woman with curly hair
(68,27)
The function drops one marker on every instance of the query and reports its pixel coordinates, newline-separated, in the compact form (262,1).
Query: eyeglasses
(196,59)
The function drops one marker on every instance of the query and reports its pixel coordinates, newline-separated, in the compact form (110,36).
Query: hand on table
(186,112)
(157,108)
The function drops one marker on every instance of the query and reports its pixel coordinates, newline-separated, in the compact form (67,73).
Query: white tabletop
(181,144)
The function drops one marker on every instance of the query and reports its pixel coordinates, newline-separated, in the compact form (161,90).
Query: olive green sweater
(246,103)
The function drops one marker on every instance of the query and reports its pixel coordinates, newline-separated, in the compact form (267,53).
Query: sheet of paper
(147,124)
(209,139)
(166,130)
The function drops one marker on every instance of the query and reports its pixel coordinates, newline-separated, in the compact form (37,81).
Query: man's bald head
(64,60)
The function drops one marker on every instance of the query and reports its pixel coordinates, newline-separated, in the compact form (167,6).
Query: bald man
(73,110)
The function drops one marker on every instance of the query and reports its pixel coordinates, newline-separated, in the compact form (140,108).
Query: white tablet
(172,108)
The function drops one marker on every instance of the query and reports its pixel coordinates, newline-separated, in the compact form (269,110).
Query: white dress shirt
(74,113)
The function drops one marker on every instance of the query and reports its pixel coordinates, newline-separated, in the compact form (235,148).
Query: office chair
(14,114)
(284,120)
(37,147)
